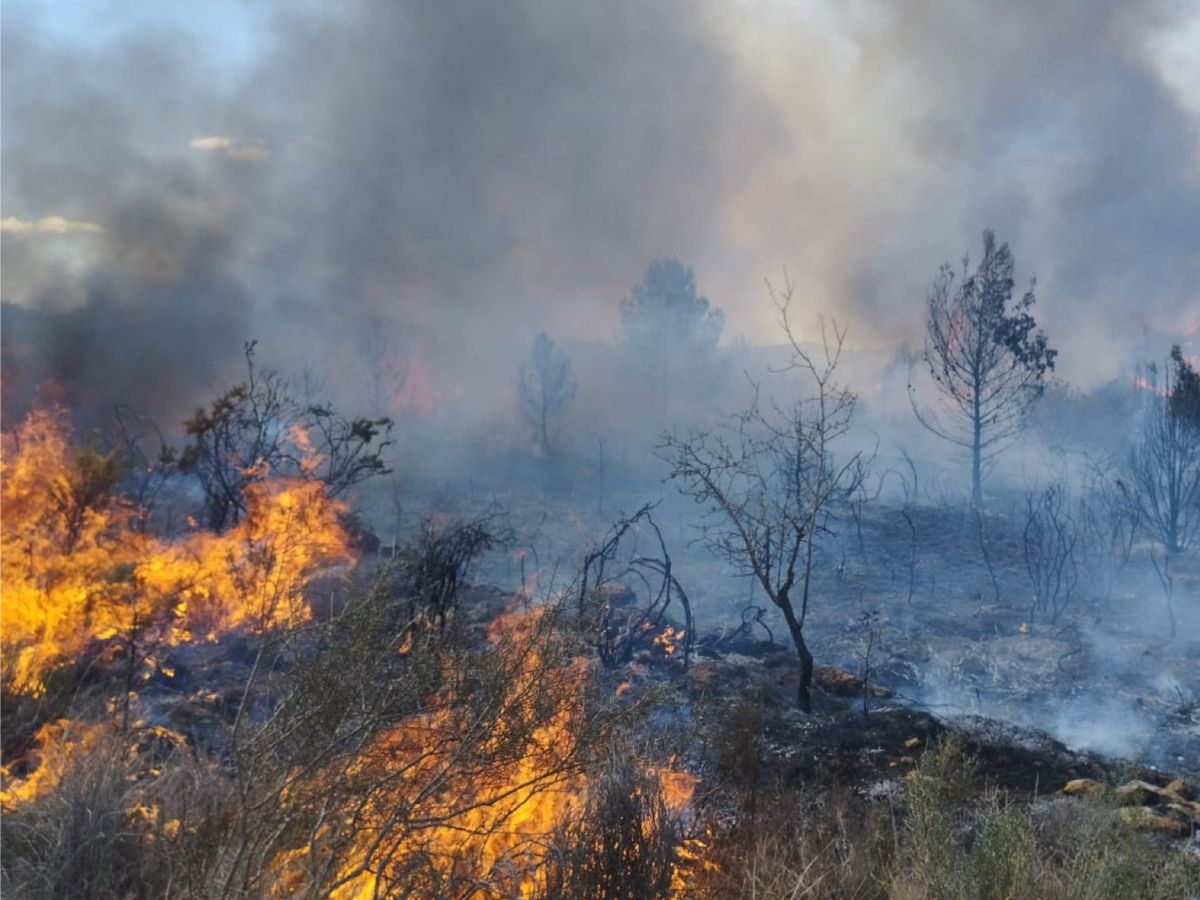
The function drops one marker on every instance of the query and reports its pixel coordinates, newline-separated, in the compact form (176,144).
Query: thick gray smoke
(462,174)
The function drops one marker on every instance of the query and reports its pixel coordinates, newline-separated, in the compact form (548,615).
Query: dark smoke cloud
(145,306)
(1055,128)
(479,171)
(464,174)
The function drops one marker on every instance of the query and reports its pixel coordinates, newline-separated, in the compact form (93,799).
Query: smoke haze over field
(466,173)
(393,197)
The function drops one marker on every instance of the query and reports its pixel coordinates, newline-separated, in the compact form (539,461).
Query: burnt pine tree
(767,479)
(986,356)
(547,389)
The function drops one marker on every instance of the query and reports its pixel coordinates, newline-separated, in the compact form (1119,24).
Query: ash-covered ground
(904,592)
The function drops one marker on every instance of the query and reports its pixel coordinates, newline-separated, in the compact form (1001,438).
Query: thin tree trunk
(977,465)
(804,689)
(987,559)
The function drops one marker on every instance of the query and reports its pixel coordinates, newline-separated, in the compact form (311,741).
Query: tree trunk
(804,690)
(977,464)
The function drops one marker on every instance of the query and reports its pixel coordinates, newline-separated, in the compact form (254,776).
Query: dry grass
(944,840)
(941,837)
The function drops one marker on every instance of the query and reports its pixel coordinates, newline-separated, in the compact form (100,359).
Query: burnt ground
(732,717)
(1107,675)
(946,634)
(738,708)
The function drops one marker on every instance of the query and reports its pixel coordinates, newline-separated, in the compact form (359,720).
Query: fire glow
(77,569)
(80,572)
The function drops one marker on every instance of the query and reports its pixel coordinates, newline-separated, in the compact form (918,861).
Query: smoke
(462,174)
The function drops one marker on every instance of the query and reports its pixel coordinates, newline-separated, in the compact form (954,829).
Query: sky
(179,177)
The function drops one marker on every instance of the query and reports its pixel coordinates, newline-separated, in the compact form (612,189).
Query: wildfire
(59,745)
(479,810)
(471,790)
(482,815)
(74,568)
(65,746)
(1143,384)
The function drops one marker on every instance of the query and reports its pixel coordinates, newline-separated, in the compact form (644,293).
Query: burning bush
(77,570)
(625,839)
(443,770)
(353,756)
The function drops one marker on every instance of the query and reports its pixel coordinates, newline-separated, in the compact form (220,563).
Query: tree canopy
(986,356)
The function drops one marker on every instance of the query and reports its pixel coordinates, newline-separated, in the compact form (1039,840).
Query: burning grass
(472,771)
(221,740)
(386,749)
(76,568)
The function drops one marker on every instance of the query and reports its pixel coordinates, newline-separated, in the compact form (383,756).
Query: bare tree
(768,477)
(1163,571)
(547,388)
(603,460)
(1165,465)
(988,361)
(385,369)
(912,491)
(1049,541)
(1109,520)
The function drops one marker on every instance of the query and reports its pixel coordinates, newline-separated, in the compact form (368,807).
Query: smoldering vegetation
(287,649)
(387,512)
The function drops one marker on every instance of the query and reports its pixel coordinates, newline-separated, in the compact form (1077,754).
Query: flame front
(75,568)
(446,799)
(477,810)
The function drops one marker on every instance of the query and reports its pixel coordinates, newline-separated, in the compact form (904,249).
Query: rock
(912,743)
(1083,787)
(1143,795)
(1183,789)
(1139,793)
(1188,811)
(839,681)
(1145,819)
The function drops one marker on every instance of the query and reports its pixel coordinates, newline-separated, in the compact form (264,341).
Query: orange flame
(65,744)
(59,745)
(74,569)
(492,824)
(669,639)
(1143,384)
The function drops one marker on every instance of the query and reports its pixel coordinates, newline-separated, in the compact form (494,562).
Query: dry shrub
(946,840)
(625,842)
(738,746)
(76,838)
(959,846)
(931,862)
(824,847)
